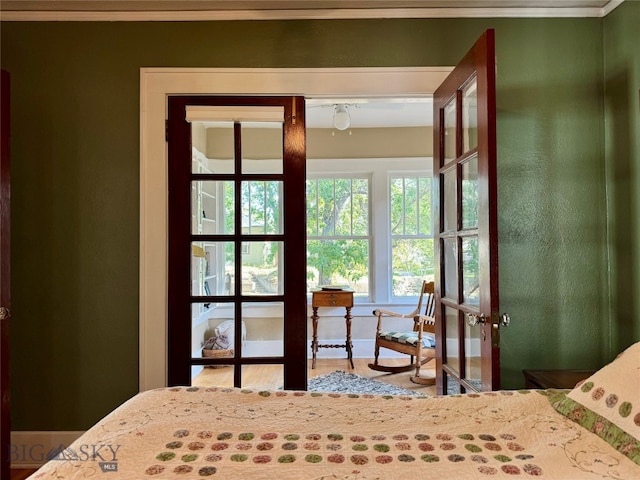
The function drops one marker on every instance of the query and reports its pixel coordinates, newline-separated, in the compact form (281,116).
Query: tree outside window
(338,232)
(339,242)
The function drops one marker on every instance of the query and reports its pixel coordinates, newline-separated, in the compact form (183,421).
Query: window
(411,233)
(338,232)
(342,247)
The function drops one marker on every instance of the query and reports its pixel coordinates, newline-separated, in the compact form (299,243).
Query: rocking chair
(419,343)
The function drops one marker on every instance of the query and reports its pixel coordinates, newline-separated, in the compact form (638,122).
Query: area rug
(343,382)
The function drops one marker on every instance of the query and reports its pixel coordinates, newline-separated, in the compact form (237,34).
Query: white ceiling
(34,10)
(372,113)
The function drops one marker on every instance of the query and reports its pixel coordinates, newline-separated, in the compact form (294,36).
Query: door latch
(473,319)
(4,313)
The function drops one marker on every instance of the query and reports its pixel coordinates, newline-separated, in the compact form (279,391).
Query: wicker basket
(219,353)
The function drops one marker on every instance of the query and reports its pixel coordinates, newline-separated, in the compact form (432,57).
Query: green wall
(75,185)
(622,154)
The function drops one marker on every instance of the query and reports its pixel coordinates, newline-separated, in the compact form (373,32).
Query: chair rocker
(419,343)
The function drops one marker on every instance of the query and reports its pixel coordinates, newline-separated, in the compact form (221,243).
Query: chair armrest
(378,312)
(425,319)
(425,323)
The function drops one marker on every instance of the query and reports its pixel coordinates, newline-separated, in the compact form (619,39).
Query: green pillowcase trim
(605,429)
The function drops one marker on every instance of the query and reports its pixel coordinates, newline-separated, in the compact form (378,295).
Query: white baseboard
(32,449)
(362,348)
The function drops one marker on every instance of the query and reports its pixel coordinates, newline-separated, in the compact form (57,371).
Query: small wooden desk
(331,298)
(560,379)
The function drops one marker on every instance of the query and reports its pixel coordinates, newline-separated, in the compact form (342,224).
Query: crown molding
(609,7)
(77,15)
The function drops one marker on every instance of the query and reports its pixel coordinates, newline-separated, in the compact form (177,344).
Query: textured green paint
(75,152)
(551,197)
(622,140)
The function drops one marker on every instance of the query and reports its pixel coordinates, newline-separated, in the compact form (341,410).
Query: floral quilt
(191,432)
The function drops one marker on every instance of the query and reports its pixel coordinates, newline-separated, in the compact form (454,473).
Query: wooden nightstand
(560,379)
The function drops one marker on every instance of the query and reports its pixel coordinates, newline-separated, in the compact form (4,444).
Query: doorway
(368,227)
(156,85)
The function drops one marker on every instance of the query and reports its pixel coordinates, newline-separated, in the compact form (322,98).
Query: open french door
(466,236)
(237,251)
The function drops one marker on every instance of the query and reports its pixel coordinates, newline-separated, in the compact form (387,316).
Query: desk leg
(349,345)
(314,342)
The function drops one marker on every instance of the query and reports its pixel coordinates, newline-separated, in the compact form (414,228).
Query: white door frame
(155,85)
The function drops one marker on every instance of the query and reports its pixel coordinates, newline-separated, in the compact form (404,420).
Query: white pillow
(608,403)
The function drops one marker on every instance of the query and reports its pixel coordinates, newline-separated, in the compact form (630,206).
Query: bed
(590,432)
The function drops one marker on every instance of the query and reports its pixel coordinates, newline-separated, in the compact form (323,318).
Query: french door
(237,263)
(466,237)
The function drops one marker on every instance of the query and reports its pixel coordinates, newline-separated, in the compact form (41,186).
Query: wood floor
(270,377)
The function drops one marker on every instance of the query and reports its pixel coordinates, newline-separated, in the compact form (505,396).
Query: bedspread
(191,432)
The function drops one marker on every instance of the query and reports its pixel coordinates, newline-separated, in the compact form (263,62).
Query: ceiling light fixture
(341,117)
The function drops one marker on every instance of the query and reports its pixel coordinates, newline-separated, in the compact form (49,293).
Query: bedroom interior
(567,197)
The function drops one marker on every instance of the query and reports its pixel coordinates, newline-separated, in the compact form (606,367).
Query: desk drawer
(332,299)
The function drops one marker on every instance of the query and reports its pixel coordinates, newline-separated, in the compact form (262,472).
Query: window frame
(381,170)
(368,176)
(406,174)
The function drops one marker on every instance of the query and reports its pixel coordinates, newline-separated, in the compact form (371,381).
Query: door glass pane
(212,267)
(262,268)
(450,131)
(452,351)
(261,208)
(212,330)
(212,207)
(263,377)
(264,329)
(470,116)
(472,355)
(450,197)
(470,271)
(212,149)
(411,262)
(262,146)
(212,376)
(450,252)
(453,387)
(470,193)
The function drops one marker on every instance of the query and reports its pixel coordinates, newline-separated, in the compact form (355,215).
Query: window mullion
(404,205)
(351,207)
(335,210)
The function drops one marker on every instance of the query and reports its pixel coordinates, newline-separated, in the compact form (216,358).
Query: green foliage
(415,256)
(334,260)
(339,207)
(338,216)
